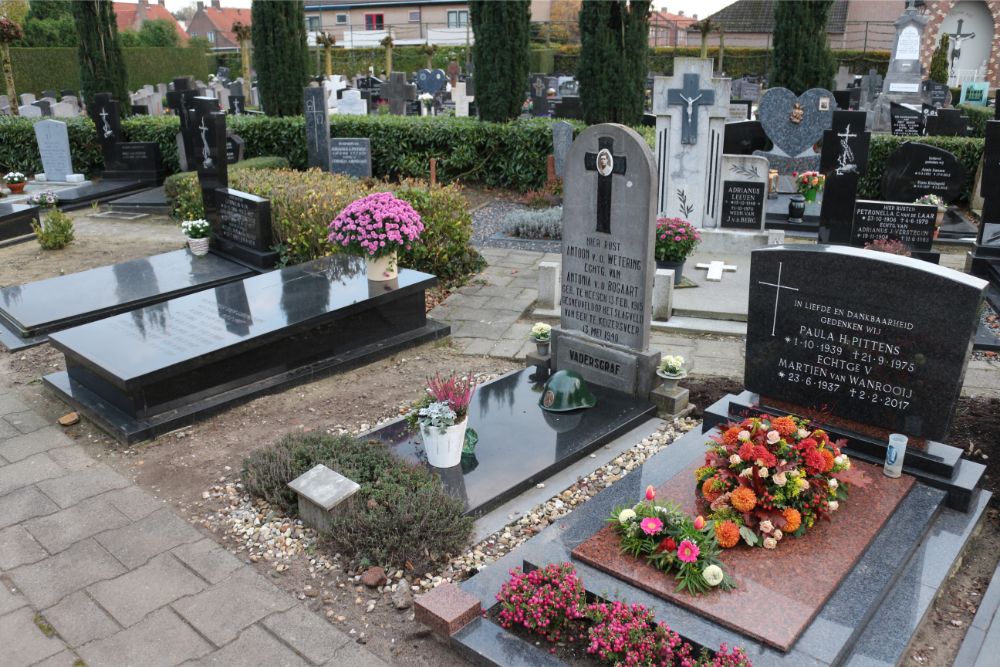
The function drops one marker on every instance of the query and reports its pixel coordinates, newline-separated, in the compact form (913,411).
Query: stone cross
(539,87)
(461,100)
(690,97)
(715,270)
(398,92)
(606,164)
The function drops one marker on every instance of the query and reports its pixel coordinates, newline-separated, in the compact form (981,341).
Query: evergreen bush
(279,45)
(55,231)
(102,66)
(500,55)
(939,62)
(802,57)
(613,60)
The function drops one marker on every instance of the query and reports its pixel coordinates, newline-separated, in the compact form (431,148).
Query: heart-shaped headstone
(777,113)
(431,81)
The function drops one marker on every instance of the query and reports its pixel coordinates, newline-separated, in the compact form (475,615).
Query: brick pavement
(95,571)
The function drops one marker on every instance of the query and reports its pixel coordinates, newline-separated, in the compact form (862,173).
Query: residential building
(365,23)
(131,16)
(215,23)
(666,29)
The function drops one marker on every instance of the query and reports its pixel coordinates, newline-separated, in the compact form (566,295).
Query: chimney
(201,5)
(694,16)
(217,4)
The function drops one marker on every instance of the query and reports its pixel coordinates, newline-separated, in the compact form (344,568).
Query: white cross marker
(715,270)
(777,295)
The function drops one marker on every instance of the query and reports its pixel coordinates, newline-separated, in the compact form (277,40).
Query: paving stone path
(95,571)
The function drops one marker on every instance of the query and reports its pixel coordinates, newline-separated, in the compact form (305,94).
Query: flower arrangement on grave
(441,417)
(891,246)
(541,332)
(676,239)
(15,177)
(376,227)
(809,183)
(672,365)
(426,100)
(672,541)
(934,200)
(769,477)
(197,233)
(44,199)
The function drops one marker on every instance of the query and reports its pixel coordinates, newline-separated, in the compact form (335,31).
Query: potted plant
(673,369)
(441,417)
(934,200)
(197,233)
(809,183)
(376,227)
(16,181)
(676,239)
(426,102)
(541,333)
(45,199)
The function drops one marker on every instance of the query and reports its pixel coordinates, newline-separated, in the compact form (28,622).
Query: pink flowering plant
(455,390)
(671,541)
(676,239)
(552,602)
(376,226)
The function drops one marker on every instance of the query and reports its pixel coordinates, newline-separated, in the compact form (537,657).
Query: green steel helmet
(565,391)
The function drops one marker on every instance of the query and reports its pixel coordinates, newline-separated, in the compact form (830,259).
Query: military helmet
(565,391)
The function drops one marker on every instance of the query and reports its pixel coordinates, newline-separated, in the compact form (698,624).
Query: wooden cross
(606,164)
(691,97)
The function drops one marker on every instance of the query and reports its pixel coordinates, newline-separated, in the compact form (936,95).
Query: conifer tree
(500,56)
(802,57)
(614,52)
(280,55)
(939,62)
(102,67)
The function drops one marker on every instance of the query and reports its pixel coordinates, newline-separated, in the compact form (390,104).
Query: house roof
(319,5)
(682,22)
(223,19)
(126,14)
(758,16)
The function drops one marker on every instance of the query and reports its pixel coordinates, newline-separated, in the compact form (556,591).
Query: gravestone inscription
(744,191)
(915,169)
(906,122)
(352,157)
(244,219)
(912,224)
(875,356)
(53,145)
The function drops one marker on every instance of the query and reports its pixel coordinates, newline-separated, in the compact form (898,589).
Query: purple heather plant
(455,390)
(376,225)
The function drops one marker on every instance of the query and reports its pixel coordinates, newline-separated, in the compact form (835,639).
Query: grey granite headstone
(320,490)
(53,145)
(795,122)
(351,156)
(860,335)
(744,192)
(317,129)
(562,139)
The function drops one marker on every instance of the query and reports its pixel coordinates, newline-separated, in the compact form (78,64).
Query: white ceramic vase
(199,247)
(382,268)
(444,446)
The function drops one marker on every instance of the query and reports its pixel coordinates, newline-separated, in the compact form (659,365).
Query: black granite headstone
(905,122)
(237,105)
(245,219)
(538,85)
(988,242)
(915,169)
(937,94)
(44,105)
(15,223)
(105,113)
(208,138)
(843,162)
(874,338)
(744,137)
(948,123)
(234,148)
(317,128)
(913,224)
(568,107)
(742,204)
(351,156)
(137,160)
(140,110)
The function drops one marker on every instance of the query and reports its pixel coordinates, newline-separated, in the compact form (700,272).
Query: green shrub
(543,224)
(968,151)
(444,249)
(184,195)
(400,515)
(977,118)
(55,231)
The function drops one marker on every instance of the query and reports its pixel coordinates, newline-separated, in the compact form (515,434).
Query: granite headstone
(317,129)
(905,122)
(913,224)
(562,140)
(744,191)
(53,145)
(352,157)
(915,169)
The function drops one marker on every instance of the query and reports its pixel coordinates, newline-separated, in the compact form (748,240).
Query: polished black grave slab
(519,443)
(99,191)
(15,223)
(28,313)
(151,370)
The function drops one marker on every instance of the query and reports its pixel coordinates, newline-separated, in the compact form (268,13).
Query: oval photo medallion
(549,398)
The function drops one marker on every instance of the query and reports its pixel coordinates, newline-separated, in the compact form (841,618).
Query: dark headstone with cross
(538,86)
(106,114)
(690,97)
(606,164)
(397,92)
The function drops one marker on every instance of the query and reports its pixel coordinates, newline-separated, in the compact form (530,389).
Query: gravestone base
(931,256)
(606,364)
(15,223)
(70,178)
(538,360)
(241,254)
(671,403)
(934,463)
(88,193)
(723,241)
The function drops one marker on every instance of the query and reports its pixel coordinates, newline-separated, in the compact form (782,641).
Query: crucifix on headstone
(777,295)
(845,161)
(606,164)
(957,38)
(691,97)
(107,128)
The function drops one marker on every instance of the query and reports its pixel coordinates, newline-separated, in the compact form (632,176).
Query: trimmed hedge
(737,61)
(977,118)
(184,195)
(36,70)
(968,150)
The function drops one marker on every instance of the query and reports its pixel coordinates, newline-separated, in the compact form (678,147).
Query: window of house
(458,18)
(374,21)
(341,19)
(415,16)
(210,36)
(313,24)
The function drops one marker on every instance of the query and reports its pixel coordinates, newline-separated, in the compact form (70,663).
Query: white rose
(747,472)
(779,479)
(764,473)
(770,543)
(713,575)
(803,433)
(773,437)
(735,460)
(777,534)
(839,459)
(625,516)
(744,435)
(766,526)
(834,506)
(833,483)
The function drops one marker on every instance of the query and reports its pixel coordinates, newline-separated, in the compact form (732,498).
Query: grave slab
(15,223)
(146,372)
(520,444)
(28,313)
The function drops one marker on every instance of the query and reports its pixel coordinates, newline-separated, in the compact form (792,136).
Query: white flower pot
(382,268)
(198,247)
(444,446)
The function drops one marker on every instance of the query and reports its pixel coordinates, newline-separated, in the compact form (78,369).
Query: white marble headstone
(352,104)
(53,145)
(64,110)
(30,111)
(461,100)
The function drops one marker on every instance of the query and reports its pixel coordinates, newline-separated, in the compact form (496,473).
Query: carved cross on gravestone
(398,92)
(606,164)
(539,87)
(777,296)
(690,97)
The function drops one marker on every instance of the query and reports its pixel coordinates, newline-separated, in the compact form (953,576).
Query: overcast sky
(700,7)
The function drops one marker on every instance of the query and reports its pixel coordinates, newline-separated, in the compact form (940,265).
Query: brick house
(215,23)
(131,16)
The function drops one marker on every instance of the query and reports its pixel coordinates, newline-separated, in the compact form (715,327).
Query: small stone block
(548,285)
(75,178)
(324,487)
(775,237)
(663,294)
(539,360)
(69,419)
(669,402)
(446,609)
